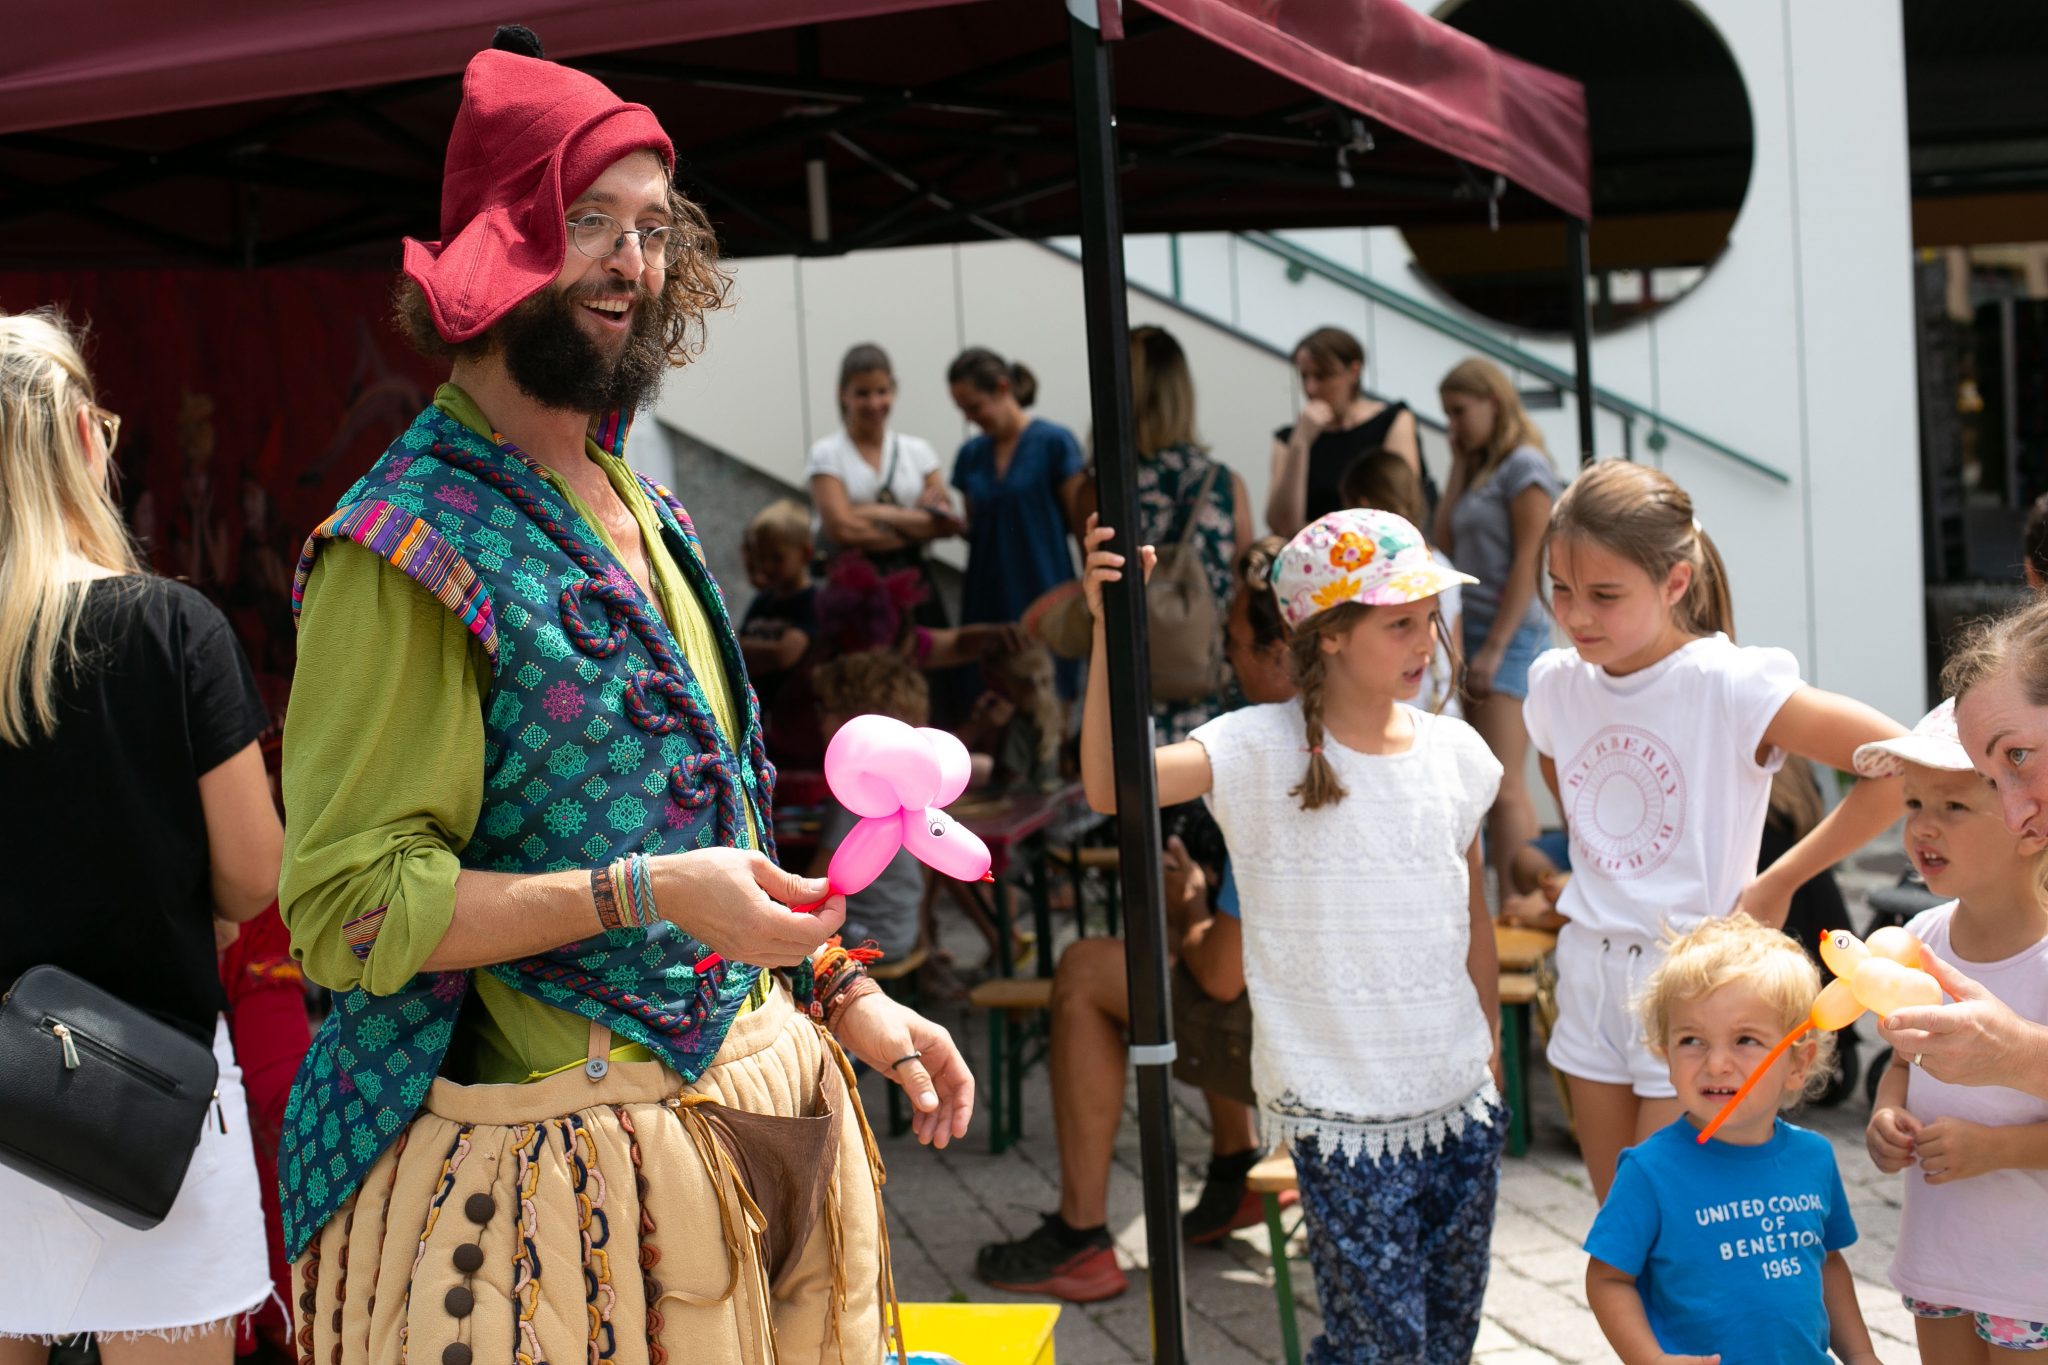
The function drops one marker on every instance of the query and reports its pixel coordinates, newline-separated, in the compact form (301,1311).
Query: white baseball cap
(1932,744)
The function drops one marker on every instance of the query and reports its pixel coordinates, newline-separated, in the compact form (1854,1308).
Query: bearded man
(582,1093)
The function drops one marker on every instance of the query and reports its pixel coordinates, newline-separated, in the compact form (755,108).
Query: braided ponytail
(1319,785)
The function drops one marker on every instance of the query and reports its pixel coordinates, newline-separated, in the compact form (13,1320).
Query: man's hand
(740,905)
(1889,1138)
(885,1034)
(1186,890)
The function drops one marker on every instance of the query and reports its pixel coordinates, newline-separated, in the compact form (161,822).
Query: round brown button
(469,1258)
(460,1302)
(455,1353)
(480,1207)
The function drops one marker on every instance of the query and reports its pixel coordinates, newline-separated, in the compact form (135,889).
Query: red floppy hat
(530,137)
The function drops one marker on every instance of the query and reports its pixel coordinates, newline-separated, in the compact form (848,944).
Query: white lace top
(1369,1034)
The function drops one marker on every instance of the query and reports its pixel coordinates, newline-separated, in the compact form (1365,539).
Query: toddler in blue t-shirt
(1732,1249)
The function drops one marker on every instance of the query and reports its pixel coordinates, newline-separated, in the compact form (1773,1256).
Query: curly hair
(874,680)
(1737,949)
(695,286)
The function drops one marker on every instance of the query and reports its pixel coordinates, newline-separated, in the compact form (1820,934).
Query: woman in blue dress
(1020,479)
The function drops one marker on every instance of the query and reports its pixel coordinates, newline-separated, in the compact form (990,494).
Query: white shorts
(66,1269)
(1598,1036)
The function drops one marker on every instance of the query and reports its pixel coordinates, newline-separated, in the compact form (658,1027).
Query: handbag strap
(887,492)
(1194,509)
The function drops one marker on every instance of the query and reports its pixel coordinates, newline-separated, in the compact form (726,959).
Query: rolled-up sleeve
(383,772)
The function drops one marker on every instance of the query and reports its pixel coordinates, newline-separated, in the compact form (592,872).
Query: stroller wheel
(1848,1068)
(1878,1066)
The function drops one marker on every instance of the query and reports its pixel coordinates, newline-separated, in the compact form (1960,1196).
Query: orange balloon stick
(1754,1076)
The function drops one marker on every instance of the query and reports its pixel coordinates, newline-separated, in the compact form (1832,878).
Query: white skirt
(66,1269)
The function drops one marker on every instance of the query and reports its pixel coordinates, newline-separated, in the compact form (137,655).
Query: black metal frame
(1578,267)
(1130,682)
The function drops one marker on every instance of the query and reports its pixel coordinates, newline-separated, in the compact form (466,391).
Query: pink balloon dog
(896,778)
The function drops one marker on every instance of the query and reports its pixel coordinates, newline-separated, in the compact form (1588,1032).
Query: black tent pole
(1578,270)
(1130,681)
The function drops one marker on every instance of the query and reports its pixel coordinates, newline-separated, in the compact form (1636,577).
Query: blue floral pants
(1400,1247)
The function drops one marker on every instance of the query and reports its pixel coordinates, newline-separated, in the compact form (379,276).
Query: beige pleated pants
(580,1220)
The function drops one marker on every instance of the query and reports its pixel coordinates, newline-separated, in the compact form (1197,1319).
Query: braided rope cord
(658,701)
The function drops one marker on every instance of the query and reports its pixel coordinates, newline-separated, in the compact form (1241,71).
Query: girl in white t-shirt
(874,489)
(1658,737)
(1352,820)
(1974,1234)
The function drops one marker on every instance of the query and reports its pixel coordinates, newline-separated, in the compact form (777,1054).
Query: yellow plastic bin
(983,1333)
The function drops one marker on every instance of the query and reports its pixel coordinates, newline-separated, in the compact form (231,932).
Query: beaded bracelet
(623,893)
(604,893)
(859,986)
(644,912)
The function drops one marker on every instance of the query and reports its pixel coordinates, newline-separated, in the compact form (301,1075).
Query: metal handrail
(1480,340)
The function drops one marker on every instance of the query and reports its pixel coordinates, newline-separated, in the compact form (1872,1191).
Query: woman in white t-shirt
(1658,737)
(873,489)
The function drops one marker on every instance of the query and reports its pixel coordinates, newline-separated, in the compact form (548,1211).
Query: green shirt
(384,774)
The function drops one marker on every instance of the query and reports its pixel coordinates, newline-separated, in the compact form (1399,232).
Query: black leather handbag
(99,1100)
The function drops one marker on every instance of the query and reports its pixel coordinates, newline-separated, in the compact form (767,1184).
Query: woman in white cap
(1972,1158)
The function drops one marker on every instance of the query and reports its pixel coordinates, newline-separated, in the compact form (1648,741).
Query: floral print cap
(1357,555)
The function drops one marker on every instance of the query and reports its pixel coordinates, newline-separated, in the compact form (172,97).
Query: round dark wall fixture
(1673,143)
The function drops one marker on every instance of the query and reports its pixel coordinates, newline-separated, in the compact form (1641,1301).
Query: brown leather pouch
(786,1166)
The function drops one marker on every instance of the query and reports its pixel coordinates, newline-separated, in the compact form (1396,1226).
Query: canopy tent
(267,135)
(275,134)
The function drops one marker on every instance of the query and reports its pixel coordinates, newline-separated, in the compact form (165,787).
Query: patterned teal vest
(598,742)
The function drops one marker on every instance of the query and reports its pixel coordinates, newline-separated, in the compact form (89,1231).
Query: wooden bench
(1269,1180)
(1012,1036)
(1275,1176)
(1082,859)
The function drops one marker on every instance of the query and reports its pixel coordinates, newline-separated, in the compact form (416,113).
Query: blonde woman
(128,764)
(1491,522)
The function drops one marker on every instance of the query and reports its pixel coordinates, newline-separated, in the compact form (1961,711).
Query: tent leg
(1578,269)
(1130,683)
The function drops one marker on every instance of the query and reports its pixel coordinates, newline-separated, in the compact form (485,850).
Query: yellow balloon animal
(1881,973)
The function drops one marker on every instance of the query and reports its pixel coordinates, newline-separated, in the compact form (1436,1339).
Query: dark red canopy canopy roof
(266,133)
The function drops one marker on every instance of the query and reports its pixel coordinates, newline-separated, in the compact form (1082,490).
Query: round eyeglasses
(598,235)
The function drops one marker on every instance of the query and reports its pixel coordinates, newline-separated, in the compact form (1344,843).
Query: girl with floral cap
(1658,736)
(1353,821)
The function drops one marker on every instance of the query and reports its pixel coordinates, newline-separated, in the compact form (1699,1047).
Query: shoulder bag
(99,1100)
(1183,622)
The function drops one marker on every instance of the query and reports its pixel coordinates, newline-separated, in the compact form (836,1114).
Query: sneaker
(1044,1263)
(1226,1205)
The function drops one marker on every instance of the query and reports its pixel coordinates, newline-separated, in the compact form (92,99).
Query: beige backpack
(1184,622)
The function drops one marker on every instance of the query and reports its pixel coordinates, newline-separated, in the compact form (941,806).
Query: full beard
(556,363)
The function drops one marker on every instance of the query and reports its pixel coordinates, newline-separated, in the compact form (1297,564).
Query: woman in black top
(138,817)
(1338,423)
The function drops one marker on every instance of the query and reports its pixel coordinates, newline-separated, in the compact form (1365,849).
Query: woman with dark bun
(1019,479)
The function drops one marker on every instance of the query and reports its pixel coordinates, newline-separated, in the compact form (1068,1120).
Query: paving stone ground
(945,1205)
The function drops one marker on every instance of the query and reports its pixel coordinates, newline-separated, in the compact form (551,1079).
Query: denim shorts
(1511,679)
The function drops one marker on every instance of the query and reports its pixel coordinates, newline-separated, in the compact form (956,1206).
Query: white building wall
(1797,348)
(766,386)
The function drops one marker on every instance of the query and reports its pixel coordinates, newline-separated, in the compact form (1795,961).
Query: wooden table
(1014,828)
